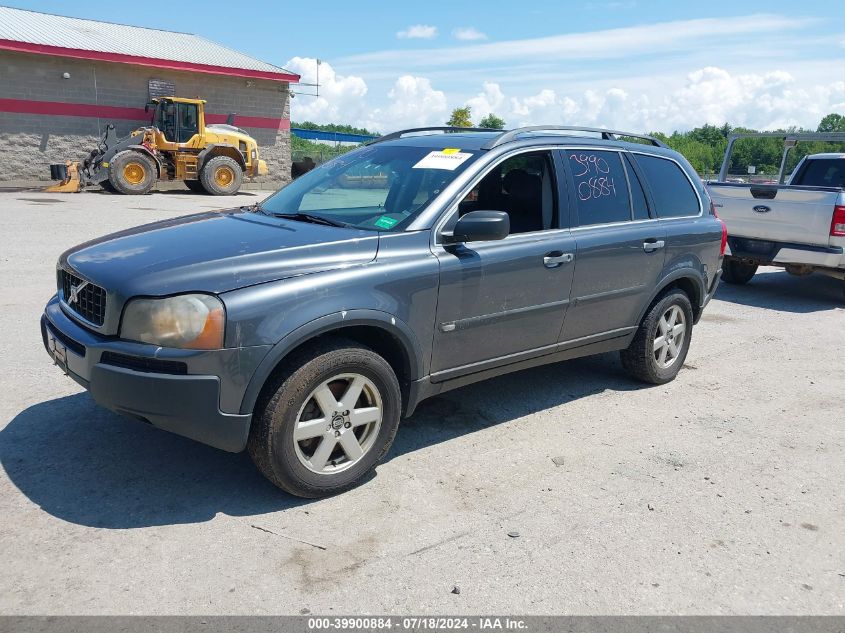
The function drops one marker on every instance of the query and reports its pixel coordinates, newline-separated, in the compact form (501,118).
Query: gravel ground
(719,493)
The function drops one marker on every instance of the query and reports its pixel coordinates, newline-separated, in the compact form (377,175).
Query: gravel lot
(719,493)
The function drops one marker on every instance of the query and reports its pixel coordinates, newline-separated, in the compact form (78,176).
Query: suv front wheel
(660,345)
(327,420)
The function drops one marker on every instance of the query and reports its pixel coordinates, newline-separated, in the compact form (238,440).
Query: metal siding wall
(30,142)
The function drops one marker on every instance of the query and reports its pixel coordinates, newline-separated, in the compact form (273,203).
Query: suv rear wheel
(661,343)
(326,421)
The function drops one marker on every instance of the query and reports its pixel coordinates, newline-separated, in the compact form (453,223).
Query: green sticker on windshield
(385,222)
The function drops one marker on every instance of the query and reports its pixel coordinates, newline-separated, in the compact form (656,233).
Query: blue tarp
(320,135)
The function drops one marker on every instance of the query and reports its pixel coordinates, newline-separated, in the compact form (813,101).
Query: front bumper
(188,392)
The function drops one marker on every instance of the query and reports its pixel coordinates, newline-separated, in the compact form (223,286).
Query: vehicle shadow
(776,289)
(86,465)
(486,404)
(188,192)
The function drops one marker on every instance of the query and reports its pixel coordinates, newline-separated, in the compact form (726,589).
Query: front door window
(188,121)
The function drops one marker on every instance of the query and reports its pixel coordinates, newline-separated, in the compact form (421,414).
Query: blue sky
(637,64)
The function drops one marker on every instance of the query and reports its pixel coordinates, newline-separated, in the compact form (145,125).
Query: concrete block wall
(29,143)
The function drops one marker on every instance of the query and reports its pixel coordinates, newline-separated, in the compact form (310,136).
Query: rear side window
(600,187)
(673,194)
(822,172)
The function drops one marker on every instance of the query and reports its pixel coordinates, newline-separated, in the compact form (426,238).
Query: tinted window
(600,187)
(638,201)
(822,172)
(673,194)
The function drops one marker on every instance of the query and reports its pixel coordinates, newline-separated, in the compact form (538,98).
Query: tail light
(837,224)
(724,230)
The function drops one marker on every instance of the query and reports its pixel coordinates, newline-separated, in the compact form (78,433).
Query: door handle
(649,246)
(556,258)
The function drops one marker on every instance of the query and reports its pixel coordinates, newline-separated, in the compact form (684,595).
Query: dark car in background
(303,328)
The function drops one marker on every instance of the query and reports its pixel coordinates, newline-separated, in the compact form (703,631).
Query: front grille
(90,301)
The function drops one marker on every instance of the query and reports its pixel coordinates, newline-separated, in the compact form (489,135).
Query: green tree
(492,122)
(832,123)
(460,117)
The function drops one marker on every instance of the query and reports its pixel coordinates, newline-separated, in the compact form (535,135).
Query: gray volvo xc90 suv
(303,328)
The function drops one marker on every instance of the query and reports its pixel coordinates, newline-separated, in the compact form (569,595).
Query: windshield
(379,187)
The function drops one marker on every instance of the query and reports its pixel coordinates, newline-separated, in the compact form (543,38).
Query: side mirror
(479,226)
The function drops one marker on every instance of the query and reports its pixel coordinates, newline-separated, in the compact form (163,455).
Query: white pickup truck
(799,224)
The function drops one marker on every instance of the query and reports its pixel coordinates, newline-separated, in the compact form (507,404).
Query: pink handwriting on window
(591,176)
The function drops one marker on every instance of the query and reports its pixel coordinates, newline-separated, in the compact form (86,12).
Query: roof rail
(443,128)
(511,135)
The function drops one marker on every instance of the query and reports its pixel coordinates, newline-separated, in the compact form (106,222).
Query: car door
(620,248)
(501,301)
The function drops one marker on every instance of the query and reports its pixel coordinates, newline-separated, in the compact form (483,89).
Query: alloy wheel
(669,337)
(338,423)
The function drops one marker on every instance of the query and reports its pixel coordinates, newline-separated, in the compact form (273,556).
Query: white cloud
(412,102)
(418,31)
(341,97)
(712,95)
(619,43)
(468,34)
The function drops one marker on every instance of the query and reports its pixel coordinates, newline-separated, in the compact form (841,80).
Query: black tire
(738,272)
(271,441)
(107,186)
(640,359)
(132,173)
(195,186)
(221,176)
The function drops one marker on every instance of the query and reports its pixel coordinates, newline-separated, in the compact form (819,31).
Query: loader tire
(221,176)
(132,173)
(195,186)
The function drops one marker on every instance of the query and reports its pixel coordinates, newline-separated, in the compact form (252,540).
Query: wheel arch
(686,280)
(218,149)
(387,335)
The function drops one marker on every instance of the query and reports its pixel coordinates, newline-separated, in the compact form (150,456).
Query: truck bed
(778,213)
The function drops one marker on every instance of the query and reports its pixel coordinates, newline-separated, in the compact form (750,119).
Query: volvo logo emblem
(74,292)
(337,421)
(762,208)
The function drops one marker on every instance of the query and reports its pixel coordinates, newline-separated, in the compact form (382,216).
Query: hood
(215,252)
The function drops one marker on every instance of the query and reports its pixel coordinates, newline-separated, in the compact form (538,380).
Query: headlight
(184,321)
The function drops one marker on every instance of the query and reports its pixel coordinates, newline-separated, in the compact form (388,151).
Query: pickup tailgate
(778,213)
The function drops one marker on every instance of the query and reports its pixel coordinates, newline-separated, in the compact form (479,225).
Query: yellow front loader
(178,145)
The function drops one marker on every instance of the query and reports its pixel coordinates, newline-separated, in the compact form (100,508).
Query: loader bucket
(69,176)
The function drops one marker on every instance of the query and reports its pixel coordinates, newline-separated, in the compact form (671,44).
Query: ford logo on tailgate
(762,208)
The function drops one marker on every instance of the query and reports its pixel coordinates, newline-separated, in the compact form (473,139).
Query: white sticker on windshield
(448,159)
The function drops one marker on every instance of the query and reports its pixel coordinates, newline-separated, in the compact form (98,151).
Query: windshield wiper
(310,217)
